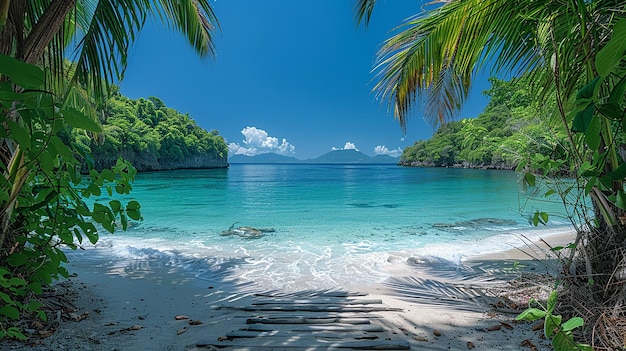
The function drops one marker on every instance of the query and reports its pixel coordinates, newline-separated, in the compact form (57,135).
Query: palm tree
(61,57)
(572,50)
(95,33)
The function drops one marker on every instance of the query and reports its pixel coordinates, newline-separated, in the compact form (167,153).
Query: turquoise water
(332,225)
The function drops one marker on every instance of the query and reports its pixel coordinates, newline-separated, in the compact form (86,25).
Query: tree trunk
(45,30)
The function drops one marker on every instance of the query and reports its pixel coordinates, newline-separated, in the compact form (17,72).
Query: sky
(290,77)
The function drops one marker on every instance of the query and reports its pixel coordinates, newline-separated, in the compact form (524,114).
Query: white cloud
(257,141)
(382,150)
(348,146)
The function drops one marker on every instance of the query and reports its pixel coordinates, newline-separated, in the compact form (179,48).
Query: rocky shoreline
(149,163)
(465,164)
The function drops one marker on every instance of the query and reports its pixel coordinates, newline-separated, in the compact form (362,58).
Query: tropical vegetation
(574,52)
(43,99)
(503,135)
(151,136)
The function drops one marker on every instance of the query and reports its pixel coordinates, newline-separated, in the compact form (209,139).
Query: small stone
(494,327)
(222,338)
(470,345)
(420,338)
(538,326)
(195,322)
(181,317)
(437,332)
(507,325)
(181,331)
(136,327)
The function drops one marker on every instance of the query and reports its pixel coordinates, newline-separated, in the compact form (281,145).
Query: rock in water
(246,232)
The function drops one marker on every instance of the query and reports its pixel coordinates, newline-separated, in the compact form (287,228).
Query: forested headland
(510,129)
(151,136)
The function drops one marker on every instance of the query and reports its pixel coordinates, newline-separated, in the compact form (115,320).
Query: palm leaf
(363,11)
(437,54)
(195,19)
(109,27)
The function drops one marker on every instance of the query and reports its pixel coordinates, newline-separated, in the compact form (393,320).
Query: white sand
(134,308)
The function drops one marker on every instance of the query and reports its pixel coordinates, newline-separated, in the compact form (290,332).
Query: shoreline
(134,306)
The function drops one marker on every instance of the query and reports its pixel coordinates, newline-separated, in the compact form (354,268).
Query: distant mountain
(263,158)
(342,156)
(338,156)
(353,156)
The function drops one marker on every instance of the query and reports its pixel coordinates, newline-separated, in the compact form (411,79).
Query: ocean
(313,226)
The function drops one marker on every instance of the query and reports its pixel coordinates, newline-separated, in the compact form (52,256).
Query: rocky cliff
(148,162)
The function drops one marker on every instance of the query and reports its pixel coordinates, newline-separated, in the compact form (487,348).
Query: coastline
(134,306)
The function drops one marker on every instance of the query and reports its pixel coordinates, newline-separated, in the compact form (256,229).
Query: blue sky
(291,77)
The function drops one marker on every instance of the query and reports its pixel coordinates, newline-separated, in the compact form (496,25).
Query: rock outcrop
(148,162)
(465,164)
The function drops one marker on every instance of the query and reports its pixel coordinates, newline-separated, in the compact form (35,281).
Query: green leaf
(22,74)
(592,133)
(572,323)
(611,110)
(17,282)
(115,205)
(613,52)
(563,342)
(531,314)
(77,119)
(551,325)
(552,301)
(618,92)
(583,119)
(530,178)
(544,217)
(98,212)
(34,306)
(590,184)
(133,214)
(549,192)
(17,259)
(6,298)
(94,189)
(521,165)
(620,199)
(619,173)
(19,134)
(10,312)
(133,205)
(108,175)
(588,90)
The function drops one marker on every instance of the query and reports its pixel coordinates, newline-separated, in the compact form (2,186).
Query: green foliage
(42,207)
(149,133)
(598,121)
(510,128)
(560,333)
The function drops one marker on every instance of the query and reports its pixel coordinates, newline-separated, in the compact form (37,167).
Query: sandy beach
(147,306)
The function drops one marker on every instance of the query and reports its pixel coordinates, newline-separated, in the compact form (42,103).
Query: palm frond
(193,18)
(437,54)
(107,28)
(363,11)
